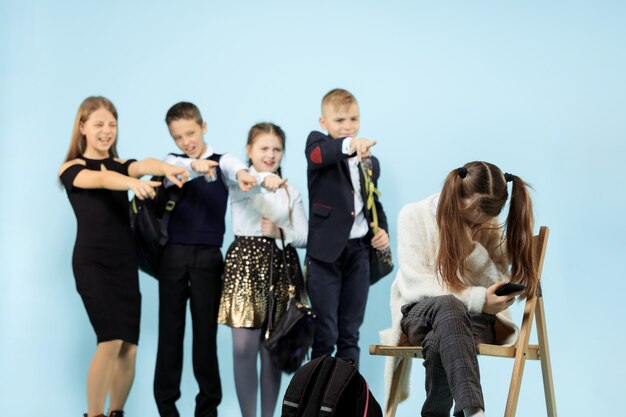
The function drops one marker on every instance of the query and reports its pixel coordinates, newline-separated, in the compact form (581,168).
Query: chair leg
(514,388)
(394,392)
(544,356)
(520,357)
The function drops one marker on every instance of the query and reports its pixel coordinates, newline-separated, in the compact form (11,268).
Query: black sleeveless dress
(105,260)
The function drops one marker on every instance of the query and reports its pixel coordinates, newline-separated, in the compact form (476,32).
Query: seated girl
(453,255)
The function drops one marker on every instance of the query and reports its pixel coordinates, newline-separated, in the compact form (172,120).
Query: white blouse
(283,208)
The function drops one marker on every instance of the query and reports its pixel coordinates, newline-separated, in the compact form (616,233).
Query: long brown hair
(78,142)
(479,188)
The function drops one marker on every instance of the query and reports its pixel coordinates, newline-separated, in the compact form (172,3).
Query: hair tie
(462,172)
(508,177)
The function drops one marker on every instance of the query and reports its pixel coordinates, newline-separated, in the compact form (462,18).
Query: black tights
(247,344)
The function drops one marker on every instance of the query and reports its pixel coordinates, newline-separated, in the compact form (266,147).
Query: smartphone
(509,288)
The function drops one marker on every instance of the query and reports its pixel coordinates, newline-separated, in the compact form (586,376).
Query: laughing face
(100,131)
(189,136)
(265,152)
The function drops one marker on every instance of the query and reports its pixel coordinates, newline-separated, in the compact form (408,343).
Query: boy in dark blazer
(339,227)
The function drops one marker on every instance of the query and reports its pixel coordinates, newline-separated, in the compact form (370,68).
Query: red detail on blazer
(316,155)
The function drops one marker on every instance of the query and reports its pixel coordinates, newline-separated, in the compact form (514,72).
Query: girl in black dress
(104,260)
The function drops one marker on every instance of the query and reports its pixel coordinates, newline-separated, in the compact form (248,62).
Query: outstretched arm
(75,174)
(176,174)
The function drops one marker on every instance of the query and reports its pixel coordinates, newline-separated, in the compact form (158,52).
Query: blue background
(537,88)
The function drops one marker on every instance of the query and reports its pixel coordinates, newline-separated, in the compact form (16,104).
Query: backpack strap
(294,402)
(173,194)
(343,373)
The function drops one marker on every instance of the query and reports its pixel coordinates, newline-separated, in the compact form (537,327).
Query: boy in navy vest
(191,264)
(339,227)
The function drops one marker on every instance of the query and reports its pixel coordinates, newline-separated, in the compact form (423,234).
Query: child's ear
(248,150)
(323,123)
(81,128)
(204,128)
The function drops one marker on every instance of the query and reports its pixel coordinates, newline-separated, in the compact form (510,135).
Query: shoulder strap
(305,381)
(173,193)
(370,192)
(341,377)
(271,298)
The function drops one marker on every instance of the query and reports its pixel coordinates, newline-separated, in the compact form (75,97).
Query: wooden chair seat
(533,310)
(484,349)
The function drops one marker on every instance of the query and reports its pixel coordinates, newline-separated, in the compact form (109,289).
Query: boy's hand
(204,166)
(380,239)
(245,180)
(274,183)
(143,189)
(361,147)
(177,175)
(269,229)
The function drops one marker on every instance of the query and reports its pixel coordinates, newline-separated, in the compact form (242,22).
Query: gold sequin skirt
(246,281)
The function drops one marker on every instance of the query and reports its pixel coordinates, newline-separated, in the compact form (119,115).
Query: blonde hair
(338,98)
(480,188)
(78,142)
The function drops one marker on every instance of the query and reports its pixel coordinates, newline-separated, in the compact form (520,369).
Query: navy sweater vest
(198,218)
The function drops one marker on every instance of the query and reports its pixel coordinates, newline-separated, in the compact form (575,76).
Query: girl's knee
(450,303)
(243,352)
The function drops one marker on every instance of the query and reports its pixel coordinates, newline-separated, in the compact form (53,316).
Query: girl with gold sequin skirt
(258,216)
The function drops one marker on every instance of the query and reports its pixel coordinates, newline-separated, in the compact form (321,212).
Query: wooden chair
(521,352)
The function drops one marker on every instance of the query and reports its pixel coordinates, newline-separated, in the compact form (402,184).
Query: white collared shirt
(283,208)
(360,226)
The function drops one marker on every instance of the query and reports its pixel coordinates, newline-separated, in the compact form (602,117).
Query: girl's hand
(143,189)
(177,175)
(496,303)
(245,180)
(274,183)
(269,229)
(204,166)
(380,239)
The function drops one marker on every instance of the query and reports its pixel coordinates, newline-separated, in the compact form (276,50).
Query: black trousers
(448,333)
(194,273)
(338,293)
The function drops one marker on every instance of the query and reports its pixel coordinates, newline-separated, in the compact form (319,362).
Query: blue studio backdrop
(537,88)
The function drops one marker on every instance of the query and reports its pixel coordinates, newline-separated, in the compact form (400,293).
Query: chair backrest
(540,243)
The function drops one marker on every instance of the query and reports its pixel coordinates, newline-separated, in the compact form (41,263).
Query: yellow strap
(370,191)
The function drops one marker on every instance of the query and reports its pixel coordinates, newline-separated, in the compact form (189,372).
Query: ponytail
(519,235)
(453,250)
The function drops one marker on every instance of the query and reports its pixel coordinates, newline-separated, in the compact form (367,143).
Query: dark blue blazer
(331,198)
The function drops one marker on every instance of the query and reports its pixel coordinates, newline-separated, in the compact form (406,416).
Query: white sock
(473,412)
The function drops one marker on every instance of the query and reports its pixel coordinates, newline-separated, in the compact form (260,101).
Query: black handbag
(381,261)
(289,339)
(381,264)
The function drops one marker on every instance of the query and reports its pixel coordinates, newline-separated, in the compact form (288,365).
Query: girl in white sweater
(453,256)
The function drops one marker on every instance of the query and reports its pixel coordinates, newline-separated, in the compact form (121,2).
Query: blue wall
(537,88)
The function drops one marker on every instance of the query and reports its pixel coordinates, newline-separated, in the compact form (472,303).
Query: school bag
(326,387)
(149,219)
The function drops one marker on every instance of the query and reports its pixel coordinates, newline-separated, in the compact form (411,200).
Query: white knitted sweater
(417,277)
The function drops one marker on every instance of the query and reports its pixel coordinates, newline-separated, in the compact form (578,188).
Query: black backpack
(326,387)
(149,219)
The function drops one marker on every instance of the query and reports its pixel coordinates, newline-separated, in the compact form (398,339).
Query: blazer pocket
(321,210)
